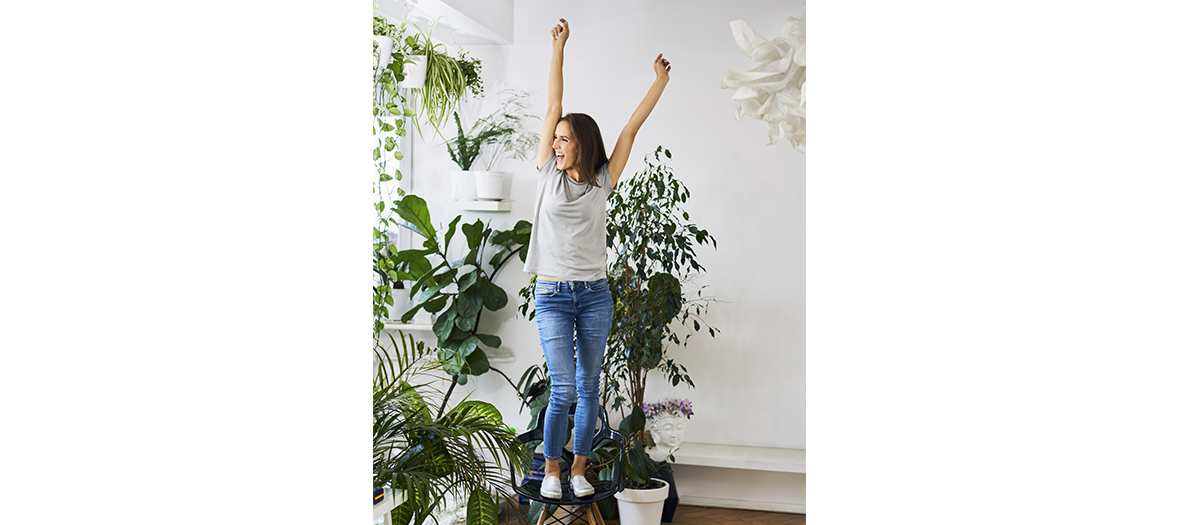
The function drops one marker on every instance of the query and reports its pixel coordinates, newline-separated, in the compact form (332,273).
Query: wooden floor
(687,515)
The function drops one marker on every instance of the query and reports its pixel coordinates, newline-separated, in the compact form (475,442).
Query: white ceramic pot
(401,304)
(415,72)
(642,507)
(462,185)
(384,47)
(489,185)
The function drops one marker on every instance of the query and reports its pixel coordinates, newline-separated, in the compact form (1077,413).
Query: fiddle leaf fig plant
(457,289)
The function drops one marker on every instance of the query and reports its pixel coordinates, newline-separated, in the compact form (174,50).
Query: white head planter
(666,421)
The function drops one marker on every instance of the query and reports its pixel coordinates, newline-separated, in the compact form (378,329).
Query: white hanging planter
(384,48)
(415,72)
(642,507)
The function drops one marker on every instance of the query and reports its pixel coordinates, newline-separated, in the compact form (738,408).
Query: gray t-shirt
(569,226)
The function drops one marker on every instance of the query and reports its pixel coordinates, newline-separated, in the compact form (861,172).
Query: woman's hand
(663,67)
(561,33)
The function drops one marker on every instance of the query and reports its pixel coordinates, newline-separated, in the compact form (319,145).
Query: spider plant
(448,78)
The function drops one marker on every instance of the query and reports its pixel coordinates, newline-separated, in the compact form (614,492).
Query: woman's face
(564,146)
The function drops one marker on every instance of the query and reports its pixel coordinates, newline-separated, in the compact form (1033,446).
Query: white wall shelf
(429,329)
(410,327)
(484,205)
(393,498)
(749,458)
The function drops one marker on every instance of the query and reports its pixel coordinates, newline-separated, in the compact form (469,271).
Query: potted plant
(459,453)
(457,288)
(654,256)
(653,243)
(447,79)
(503,133)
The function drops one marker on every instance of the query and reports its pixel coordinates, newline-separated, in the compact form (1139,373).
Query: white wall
(750,196)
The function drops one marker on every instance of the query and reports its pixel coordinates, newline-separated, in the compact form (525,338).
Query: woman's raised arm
(560,34)
(618,158)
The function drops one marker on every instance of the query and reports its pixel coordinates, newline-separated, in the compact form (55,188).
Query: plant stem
(442,408)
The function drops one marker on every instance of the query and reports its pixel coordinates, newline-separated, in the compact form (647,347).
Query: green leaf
(436,304)
(450,233)
(473,233)
(489,340)
(494,297)
(468,280)
(482,509)
(414,210)
(483,409)
(443,326)
(668,152)
(465,323)
(497,257)
(468,346)
(469,304)
(478,363)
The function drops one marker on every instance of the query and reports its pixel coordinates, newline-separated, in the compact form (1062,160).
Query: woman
(567,252)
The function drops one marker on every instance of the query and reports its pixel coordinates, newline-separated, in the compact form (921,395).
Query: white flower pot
(415,72)
(462,185)
(489,185)
(642,507)
(401,304)
(667,430)
(384,47)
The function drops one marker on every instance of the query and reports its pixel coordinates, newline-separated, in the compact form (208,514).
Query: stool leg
(597,514)
(544,508)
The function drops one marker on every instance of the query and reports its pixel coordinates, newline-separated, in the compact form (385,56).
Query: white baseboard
(744,504)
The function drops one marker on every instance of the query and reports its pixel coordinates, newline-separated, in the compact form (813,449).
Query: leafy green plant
(471,68)
(462,452)
(382,27)
(466,146)
(448,78)
(649,232)
(638,467)
(390,111)
(458,289)
(505,131)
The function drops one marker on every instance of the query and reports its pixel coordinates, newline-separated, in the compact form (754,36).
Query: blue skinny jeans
(572,316)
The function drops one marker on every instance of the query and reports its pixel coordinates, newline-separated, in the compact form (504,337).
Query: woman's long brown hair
(591,152)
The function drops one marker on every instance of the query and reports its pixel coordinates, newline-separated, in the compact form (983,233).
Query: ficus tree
(654,248)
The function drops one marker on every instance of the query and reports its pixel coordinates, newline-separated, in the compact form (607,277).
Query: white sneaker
(551,487)
(581,487)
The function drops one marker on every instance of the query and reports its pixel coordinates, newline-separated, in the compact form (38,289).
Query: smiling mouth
(560,157)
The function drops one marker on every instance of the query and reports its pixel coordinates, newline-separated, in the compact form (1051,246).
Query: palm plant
(463,452)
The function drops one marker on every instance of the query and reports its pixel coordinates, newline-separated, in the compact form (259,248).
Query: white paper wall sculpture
(775,91)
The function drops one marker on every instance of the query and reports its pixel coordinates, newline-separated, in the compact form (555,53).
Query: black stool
(582,509)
